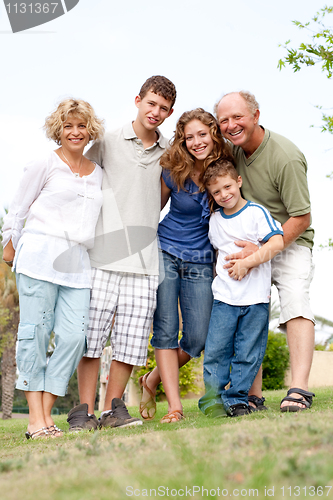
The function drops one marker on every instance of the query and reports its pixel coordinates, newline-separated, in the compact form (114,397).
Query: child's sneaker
(118,416)
(238,410)
(79,420)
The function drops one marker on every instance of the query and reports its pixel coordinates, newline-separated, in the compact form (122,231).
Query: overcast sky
(102,51)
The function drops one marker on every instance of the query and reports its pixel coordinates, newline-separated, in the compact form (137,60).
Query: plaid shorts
(131,300)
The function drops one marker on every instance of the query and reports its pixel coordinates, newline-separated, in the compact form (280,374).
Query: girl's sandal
(172,417)
(40,433)
(148,406)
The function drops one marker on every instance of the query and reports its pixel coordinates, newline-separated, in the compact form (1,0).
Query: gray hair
(251,101)
(249,98)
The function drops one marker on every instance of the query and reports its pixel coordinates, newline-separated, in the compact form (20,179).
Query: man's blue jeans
(235,347)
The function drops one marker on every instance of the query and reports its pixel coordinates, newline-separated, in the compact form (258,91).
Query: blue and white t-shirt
(252,223)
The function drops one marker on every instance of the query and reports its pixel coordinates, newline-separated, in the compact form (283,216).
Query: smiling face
(74,136)
(153,110)
(198,140)
(226,192)
(238,124)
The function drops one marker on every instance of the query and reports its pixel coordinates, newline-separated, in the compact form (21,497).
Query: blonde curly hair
(77,108)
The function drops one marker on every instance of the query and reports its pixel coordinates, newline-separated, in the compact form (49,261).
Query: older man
(274,170)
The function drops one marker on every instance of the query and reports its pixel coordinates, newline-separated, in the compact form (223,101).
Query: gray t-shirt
(126,229)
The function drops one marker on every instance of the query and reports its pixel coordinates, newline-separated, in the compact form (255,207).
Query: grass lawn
(267,454)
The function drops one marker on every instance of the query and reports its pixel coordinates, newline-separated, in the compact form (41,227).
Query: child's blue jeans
(236,340)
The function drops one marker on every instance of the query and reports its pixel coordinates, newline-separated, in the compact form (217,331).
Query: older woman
(46,236)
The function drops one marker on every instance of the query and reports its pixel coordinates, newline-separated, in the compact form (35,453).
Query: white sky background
(103,50)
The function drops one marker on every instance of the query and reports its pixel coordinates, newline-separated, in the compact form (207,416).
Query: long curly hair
(179,161)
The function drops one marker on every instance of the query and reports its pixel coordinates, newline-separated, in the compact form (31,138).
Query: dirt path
(17,415)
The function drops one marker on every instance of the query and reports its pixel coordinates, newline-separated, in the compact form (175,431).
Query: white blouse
(52,220)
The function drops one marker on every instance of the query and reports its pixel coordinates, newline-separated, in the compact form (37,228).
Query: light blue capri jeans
(191,283)
(47,307)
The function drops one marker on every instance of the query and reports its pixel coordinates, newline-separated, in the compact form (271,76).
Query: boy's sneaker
(79,420)
(118,416)
(238,410)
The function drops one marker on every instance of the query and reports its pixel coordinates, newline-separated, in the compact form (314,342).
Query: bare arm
(165,193)
(294,227)
(248,249)
(8,253)
(240,267)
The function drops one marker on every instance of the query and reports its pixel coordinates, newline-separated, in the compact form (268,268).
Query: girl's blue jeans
(191,283)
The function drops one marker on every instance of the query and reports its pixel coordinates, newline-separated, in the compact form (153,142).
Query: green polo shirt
(275,177)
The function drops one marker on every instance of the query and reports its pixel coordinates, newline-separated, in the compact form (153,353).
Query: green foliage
(329,243)
(328,125)
(276,361)
(319,50)
(319,347)
(187,374)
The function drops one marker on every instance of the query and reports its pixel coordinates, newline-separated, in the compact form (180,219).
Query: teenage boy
(274,173)
(125,257)
(238,328)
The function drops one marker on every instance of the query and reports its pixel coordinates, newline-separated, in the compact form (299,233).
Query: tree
(318,51)
(9,319)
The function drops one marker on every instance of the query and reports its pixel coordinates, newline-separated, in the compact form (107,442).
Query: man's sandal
(148,406)
(172,417)
(305,400)
(40,433)
(258,402)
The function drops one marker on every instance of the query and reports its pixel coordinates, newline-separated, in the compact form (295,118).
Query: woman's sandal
(305,400)
(55,431)
(40,433)
(146,405)
(172,417)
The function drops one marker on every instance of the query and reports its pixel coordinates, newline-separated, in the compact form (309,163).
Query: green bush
(187,374)
(276,361)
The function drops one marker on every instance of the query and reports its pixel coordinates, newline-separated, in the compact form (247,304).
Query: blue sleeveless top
(184,230)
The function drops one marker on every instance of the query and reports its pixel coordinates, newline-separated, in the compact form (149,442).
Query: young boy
(125,257)
(238,328)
